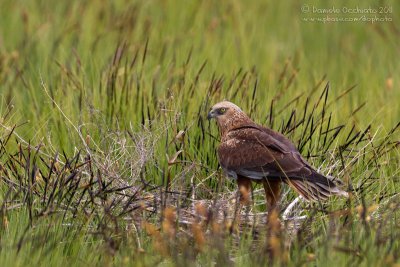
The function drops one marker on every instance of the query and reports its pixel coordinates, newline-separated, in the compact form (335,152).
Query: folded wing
(259,153)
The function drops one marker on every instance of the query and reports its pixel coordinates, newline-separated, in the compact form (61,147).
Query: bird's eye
(222,110)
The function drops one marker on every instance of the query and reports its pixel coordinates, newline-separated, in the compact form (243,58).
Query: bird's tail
(317,187)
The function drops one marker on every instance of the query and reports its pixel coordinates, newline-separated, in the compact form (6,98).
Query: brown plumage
(249,152)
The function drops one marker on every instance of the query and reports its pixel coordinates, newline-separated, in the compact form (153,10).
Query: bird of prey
(250,152)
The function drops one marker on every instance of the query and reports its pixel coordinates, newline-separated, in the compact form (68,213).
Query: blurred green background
(70,46)
(77,73)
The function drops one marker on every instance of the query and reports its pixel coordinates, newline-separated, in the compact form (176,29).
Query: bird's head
(226,114)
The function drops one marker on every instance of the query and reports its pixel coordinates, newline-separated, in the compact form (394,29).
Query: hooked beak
(210,115)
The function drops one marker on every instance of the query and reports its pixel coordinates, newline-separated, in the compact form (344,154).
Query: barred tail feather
(318,187)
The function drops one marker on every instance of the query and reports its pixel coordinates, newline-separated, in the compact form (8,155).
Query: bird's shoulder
(279,137)
(248,146)
(254,135)
(253,146)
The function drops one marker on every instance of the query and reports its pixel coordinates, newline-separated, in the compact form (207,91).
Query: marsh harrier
(250,152)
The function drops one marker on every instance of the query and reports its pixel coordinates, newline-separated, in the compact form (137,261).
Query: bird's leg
(244,188)
(244,185)
(272,193)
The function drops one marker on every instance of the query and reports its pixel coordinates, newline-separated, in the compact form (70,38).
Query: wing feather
(255,152)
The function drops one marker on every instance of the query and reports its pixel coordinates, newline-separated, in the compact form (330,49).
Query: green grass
(93,94)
